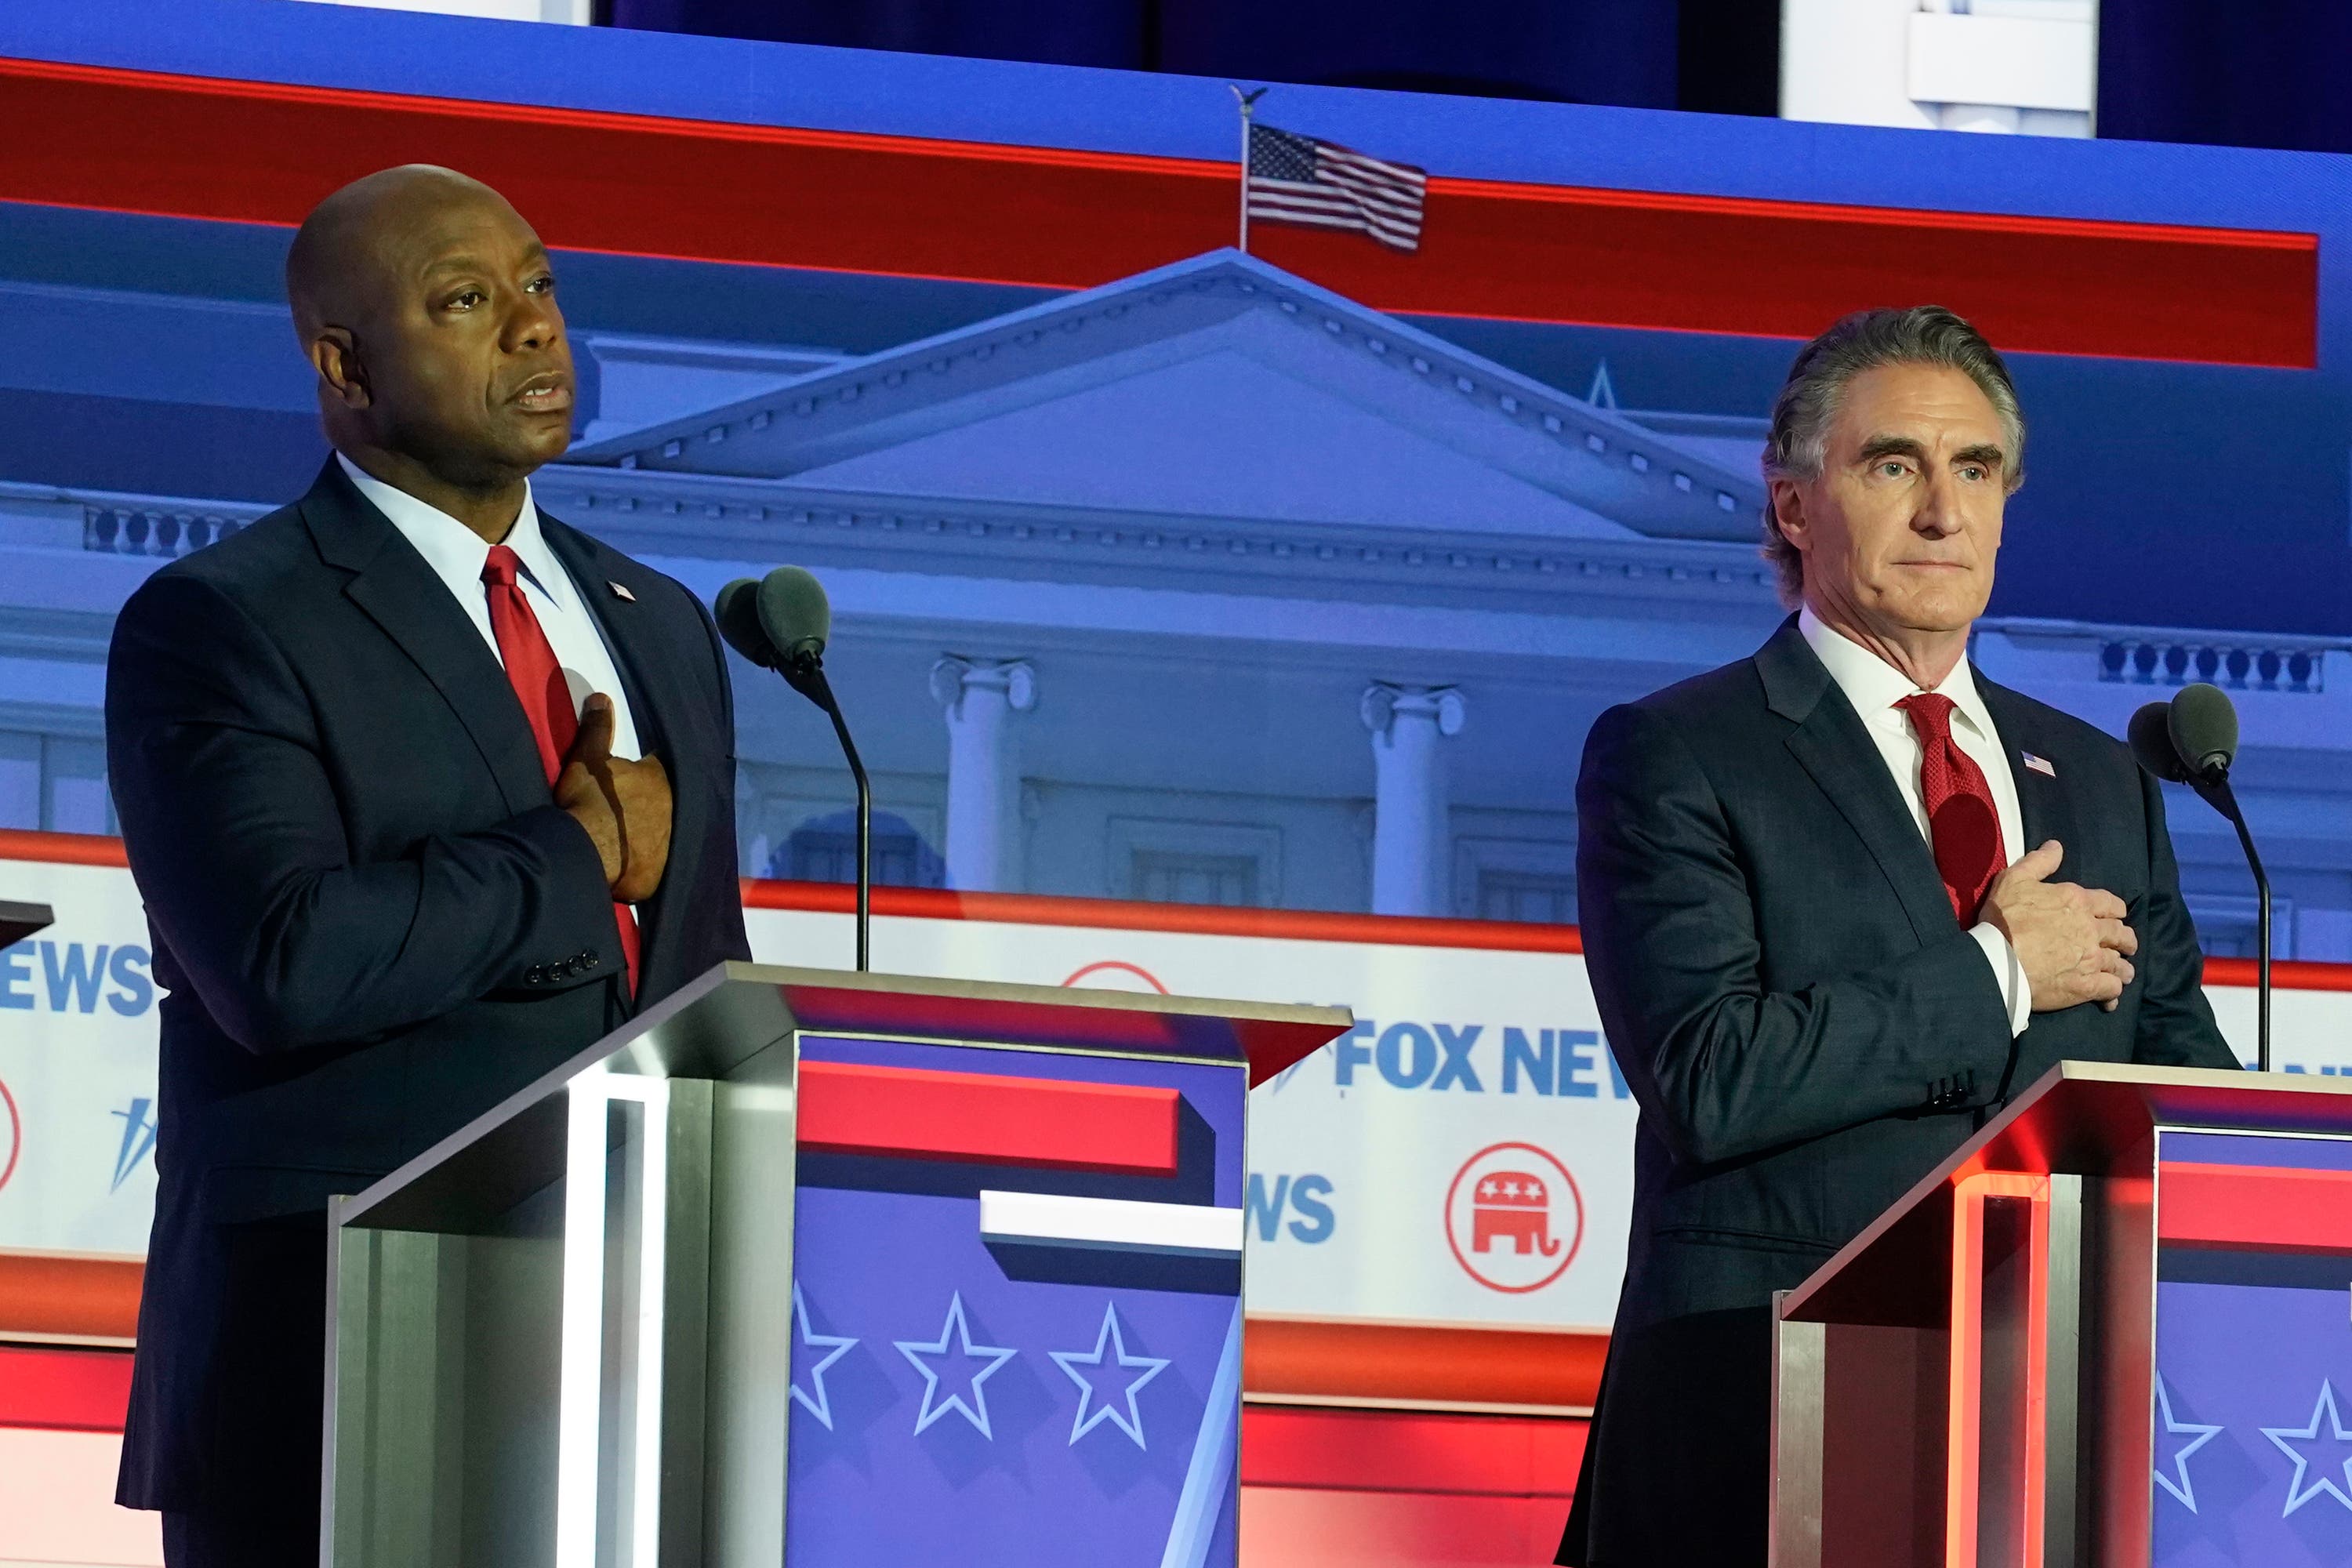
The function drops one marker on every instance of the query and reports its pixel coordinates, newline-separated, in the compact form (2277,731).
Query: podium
(19,921)
(816,1269)
(2106,1331)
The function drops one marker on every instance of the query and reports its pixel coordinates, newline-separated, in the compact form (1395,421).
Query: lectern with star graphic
(2115,1328)
(817,1269)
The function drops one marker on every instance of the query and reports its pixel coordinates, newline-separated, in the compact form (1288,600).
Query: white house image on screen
(1206,585)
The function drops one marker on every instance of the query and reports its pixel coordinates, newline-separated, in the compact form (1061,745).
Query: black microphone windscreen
(793,609)
(2151,742)
(737,611)
(2204,728)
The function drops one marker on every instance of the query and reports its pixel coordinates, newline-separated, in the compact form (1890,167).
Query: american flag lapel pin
(621,593)
(2039,764)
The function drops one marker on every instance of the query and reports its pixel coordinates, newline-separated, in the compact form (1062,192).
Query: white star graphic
(2183,1489)
(1070,1361)
(976,1411)
(2295,1496)
(834,1346)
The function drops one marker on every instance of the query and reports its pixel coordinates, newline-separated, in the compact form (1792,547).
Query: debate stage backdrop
(1250,610)
(1464,1156)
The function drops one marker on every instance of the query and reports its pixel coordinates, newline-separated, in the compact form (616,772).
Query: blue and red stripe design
(250,152)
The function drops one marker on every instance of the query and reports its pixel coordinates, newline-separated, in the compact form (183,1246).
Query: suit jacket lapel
(2043,808)
(1830,743)
(661,697)
(400,593)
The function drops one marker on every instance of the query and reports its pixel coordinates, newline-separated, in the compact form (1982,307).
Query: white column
(1410,841)
(980,697)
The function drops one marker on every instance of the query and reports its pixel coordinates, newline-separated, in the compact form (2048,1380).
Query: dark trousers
(210,1540)
(1677,1463)
(261,1504)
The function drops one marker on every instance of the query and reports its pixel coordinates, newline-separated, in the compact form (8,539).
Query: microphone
(2204,730)
(737,611)
(2193,739)
(2151,743)
(795,614)
(781,623)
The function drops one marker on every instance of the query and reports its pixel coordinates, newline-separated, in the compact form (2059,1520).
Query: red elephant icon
(1513,1204)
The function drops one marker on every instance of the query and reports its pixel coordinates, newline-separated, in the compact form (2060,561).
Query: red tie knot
(1931,715)
(502,567)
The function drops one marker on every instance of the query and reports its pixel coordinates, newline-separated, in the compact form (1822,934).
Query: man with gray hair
(1841,901)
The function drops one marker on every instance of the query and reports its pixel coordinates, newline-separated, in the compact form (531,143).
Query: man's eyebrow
(460,262)
(463,261)
(1879,446)
(1983,452)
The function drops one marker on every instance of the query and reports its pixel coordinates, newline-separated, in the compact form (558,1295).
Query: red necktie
(539,685)
(1961,820)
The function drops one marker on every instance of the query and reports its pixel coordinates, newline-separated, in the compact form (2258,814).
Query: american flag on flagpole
(1297,179)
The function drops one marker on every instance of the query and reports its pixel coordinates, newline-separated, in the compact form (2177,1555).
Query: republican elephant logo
(1514,1217)
(1514,1207)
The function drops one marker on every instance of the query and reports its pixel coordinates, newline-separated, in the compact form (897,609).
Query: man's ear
(335,356)
(1789,509)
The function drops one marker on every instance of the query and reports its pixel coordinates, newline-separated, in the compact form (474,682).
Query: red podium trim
(2254,1208)
(919,1113)
(1966,1415)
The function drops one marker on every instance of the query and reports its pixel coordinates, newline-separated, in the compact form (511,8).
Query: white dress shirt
(457,554)
(1874,686)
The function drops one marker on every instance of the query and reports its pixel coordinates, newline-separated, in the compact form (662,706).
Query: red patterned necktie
(539,684)
(1961,820)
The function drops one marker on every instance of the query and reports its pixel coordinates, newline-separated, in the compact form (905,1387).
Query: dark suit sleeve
(733,936)
(236,842)
(1722,1067)
(2176,1021)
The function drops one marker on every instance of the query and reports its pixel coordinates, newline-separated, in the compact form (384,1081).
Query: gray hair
(1865,341)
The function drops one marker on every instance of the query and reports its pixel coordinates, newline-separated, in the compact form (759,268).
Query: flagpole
(1248,102)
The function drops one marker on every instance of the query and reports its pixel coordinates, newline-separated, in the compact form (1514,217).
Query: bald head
(338,267)
(428,307)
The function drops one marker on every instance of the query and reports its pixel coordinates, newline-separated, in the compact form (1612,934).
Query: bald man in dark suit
(425,792)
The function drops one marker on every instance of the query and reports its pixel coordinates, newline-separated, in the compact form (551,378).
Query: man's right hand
(2071,941)
(624,806)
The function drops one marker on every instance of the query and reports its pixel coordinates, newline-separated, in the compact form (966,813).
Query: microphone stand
(2214,785)
(2262,937)
(804,672)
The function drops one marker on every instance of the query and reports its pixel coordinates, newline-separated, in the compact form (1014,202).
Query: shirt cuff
(2016,995)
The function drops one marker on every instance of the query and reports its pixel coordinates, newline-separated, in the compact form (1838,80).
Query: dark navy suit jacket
(372,920)
(1808,1031)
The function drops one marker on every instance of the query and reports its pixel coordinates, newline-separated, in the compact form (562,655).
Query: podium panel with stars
(2114,1328)
(822,1269)
(962,1393)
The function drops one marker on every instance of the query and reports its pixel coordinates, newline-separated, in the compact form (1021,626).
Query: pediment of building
(1216,387)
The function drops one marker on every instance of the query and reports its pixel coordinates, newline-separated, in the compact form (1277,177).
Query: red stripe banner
(264,153)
